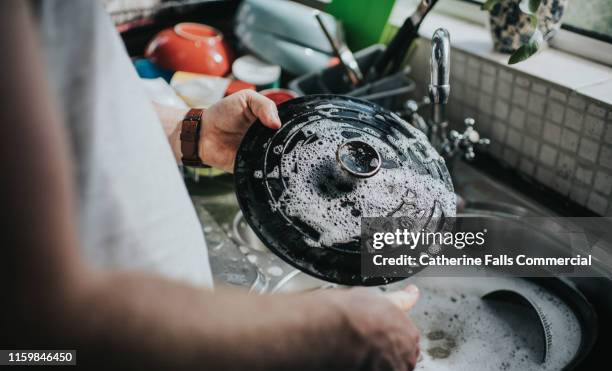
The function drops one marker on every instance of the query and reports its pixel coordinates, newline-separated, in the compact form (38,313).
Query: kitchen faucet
(448,144)
(439,87)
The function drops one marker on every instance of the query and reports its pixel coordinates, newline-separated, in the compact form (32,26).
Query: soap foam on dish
(320,194)
(460,331)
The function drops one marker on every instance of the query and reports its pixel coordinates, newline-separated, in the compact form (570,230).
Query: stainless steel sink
(291,279)
(238,258)
(253,266)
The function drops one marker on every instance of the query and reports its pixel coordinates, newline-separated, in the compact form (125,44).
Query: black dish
(304,188)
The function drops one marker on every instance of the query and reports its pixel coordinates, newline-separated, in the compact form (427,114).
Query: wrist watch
(190,137)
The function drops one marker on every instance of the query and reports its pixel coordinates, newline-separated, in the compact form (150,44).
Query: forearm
(136,321)
(52,299)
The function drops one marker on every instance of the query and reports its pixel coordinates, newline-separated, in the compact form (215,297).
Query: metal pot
(304,188)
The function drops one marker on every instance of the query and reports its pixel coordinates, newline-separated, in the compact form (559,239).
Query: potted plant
(521,27)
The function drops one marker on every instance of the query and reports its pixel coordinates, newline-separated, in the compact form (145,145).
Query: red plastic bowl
(191,47)
(279,96)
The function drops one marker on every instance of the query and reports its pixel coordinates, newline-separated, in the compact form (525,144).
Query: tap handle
(469,139)
(469,153)
(413,106)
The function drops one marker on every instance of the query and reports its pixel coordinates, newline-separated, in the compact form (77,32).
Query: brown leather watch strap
(190,137)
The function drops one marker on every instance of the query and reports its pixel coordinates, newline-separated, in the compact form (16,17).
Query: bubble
(316,186)
(478,338)
(274,173)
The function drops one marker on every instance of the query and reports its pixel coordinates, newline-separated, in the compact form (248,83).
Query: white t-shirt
(133,208)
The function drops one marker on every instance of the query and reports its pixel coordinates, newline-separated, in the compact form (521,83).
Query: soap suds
(323,196)
(463,332)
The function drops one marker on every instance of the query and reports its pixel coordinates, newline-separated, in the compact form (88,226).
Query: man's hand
(383,336)
(225,123)
(223,126)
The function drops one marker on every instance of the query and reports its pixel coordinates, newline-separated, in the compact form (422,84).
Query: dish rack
(390,92)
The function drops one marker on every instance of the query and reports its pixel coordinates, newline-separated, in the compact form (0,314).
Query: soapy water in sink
(460,331)
(319,193)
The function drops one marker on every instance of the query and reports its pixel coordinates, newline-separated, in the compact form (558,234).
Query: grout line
(603,82)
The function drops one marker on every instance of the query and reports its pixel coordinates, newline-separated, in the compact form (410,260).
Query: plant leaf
(489,4)
(534,5)
(528,49)
(530,6)
(534,21)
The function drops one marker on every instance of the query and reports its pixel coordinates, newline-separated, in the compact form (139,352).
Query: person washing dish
(102,250)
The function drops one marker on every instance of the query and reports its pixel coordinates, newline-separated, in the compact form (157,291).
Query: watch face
(305,187)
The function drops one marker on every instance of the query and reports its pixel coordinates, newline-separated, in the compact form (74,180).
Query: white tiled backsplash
(548,133)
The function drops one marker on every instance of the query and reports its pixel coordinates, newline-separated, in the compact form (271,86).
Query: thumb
(404,299)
